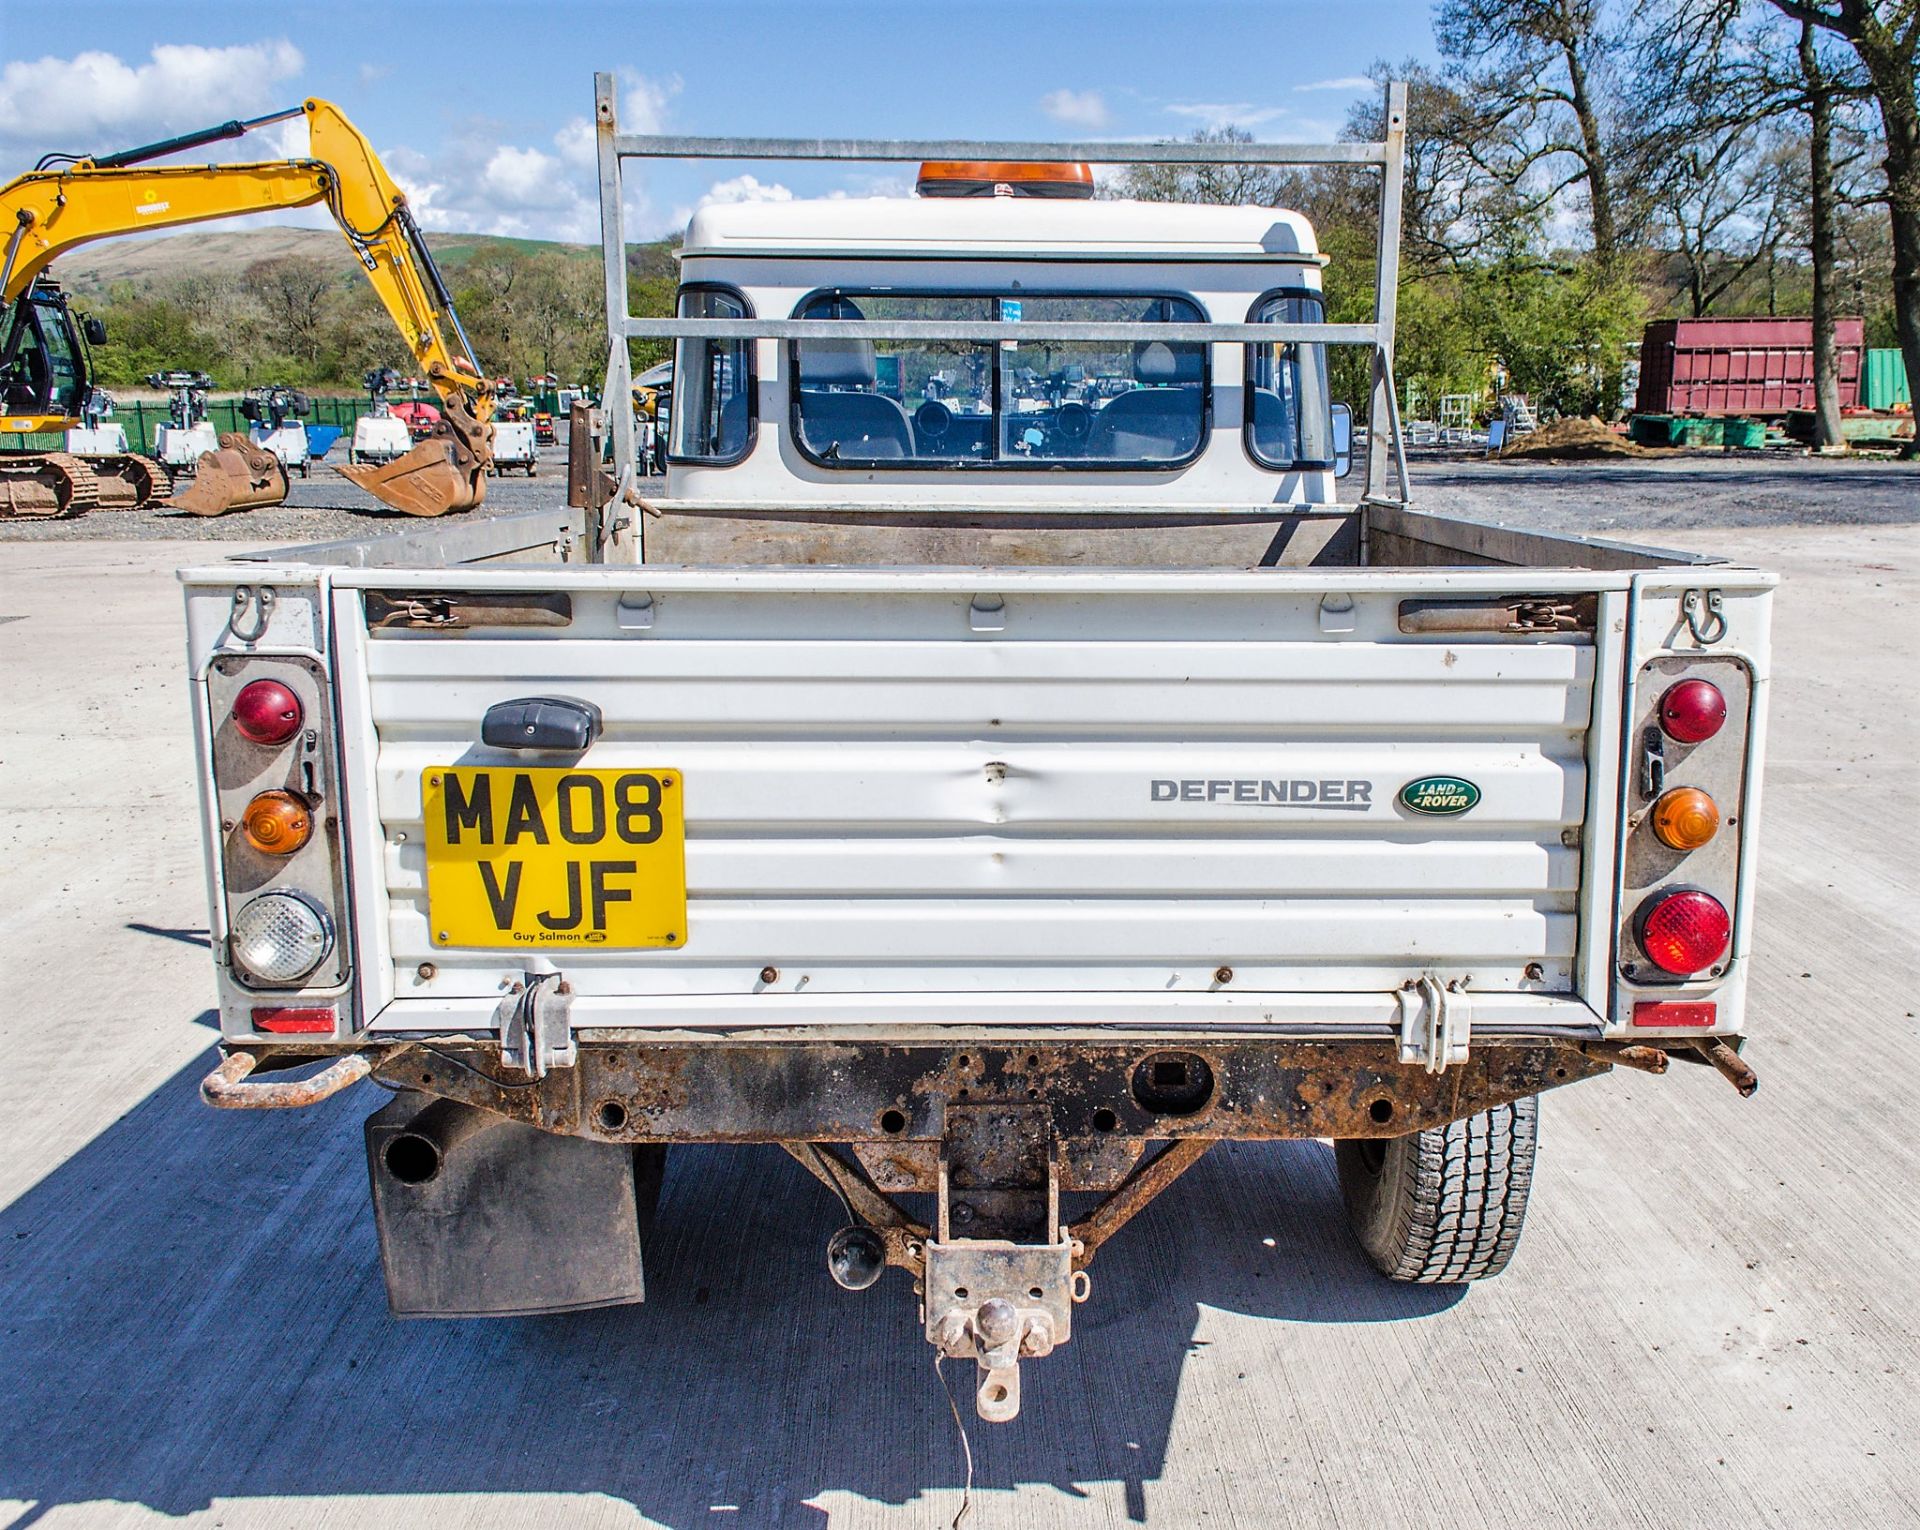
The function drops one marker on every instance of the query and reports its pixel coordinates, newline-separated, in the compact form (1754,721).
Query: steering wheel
(1072,423)
(931,421)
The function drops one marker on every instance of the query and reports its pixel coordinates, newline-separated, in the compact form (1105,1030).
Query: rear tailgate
(1025,797)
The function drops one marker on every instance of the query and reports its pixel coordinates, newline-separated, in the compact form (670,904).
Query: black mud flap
(482,1217)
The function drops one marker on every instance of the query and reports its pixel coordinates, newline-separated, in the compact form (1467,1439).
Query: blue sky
(481,109)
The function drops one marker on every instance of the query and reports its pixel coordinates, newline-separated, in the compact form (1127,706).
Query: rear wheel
(1445,1204)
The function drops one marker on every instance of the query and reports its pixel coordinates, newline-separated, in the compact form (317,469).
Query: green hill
(93,268)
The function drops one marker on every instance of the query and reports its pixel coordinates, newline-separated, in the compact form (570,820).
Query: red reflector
(289,1022)
(1693,711)
(266,712)
(1685,931)
(1672,1012)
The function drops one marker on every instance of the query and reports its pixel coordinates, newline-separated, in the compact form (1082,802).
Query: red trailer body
(1740,366)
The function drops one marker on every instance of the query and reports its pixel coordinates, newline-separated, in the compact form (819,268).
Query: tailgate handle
(456,610)
(541,722)
(1518,614)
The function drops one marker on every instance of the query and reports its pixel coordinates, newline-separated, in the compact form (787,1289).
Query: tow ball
(999,1303)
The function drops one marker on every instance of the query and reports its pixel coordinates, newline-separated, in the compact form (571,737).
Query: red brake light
(1685,931)
(1693,711)
(266,712)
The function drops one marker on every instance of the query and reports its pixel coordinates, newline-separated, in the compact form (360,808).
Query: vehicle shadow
(193,1310)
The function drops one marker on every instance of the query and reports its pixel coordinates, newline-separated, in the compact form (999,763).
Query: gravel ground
(1623,498)
(320,508)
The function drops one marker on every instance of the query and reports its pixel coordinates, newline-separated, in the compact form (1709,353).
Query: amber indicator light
(974,178)
(277,823)
(1685,818)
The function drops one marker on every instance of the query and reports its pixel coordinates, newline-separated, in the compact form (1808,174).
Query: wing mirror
(95,330)
(1342,440)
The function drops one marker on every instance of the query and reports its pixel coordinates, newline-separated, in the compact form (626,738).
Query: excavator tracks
(46,486)
(61,486)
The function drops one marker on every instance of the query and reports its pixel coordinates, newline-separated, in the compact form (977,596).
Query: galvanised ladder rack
(1389,155)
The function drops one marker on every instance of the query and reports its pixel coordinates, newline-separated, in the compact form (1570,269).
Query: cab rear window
(1020,405)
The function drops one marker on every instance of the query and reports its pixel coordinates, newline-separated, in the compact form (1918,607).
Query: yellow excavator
(45,363)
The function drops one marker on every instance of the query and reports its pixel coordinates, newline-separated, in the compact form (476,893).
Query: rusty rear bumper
(1101,1100)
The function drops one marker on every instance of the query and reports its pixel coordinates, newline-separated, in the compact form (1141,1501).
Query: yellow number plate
(545,858)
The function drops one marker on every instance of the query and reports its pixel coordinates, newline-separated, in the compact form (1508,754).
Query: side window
(1289,418)
(712,384)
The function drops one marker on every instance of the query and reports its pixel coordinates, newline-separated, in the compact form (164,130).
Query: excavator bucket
(437,476)
(239,476)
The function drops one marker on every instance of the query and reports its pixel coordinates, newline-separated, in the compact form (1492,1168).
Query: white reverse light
(279,937)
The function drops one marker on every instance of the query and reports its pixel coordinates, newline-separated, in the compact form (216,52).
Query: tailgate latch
(536,1024)
(1436,1022)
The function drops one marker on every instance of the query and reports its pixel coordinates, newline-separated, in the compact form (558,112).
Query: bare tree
(1727,198)
(1453,209)
(1540,73)
(1885,35)
(1827,434)
(293,290)
(563,299)
(1226,185)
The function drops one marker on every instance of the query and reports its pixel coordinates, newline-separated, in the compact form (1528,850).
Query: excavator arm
(62,206)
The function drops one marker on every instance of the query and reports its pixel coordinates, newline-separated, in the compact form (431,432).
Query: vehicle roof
(999,226)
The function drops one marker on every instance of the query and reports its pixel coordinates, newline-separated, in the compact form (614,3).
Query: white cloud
(96,100)
(641,103)
(1081,108)
(517,179)
(1219,114)
(478,184)
(576,143)
(867,184)
(740,188)
(483,181)
(538,182)
(745,188)
(1345,82)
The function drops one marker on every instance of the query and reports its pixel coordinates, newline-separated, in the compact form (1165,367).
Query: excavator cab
(43,363)
(46,384)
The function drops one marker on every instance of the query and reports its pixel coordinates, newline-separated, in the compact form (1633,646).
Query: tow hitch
(1000,1282)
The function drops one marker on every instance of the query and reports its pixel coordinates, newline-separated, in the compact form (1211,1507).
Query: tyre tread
(1457,1196)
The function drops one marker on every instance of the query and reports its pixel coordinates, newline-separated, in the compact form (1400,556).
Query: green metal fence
(141,418)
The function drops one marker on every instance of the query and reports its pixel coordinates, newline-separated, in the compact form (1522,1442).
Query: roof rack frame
(1385,448)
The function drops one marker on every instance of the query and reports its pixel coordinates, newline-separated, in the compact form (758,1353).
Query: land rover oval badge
(1441,796)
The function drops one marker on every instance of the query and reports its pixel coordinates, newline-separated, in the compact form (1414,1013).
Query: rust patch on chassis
(1102,1100)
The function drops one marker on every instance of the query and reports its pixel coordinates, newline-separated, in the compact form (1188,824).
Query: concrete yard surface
(1711,1321)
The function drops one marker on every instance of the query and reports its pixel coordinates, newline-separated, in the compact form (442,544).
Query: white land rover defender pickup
(1000,766)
